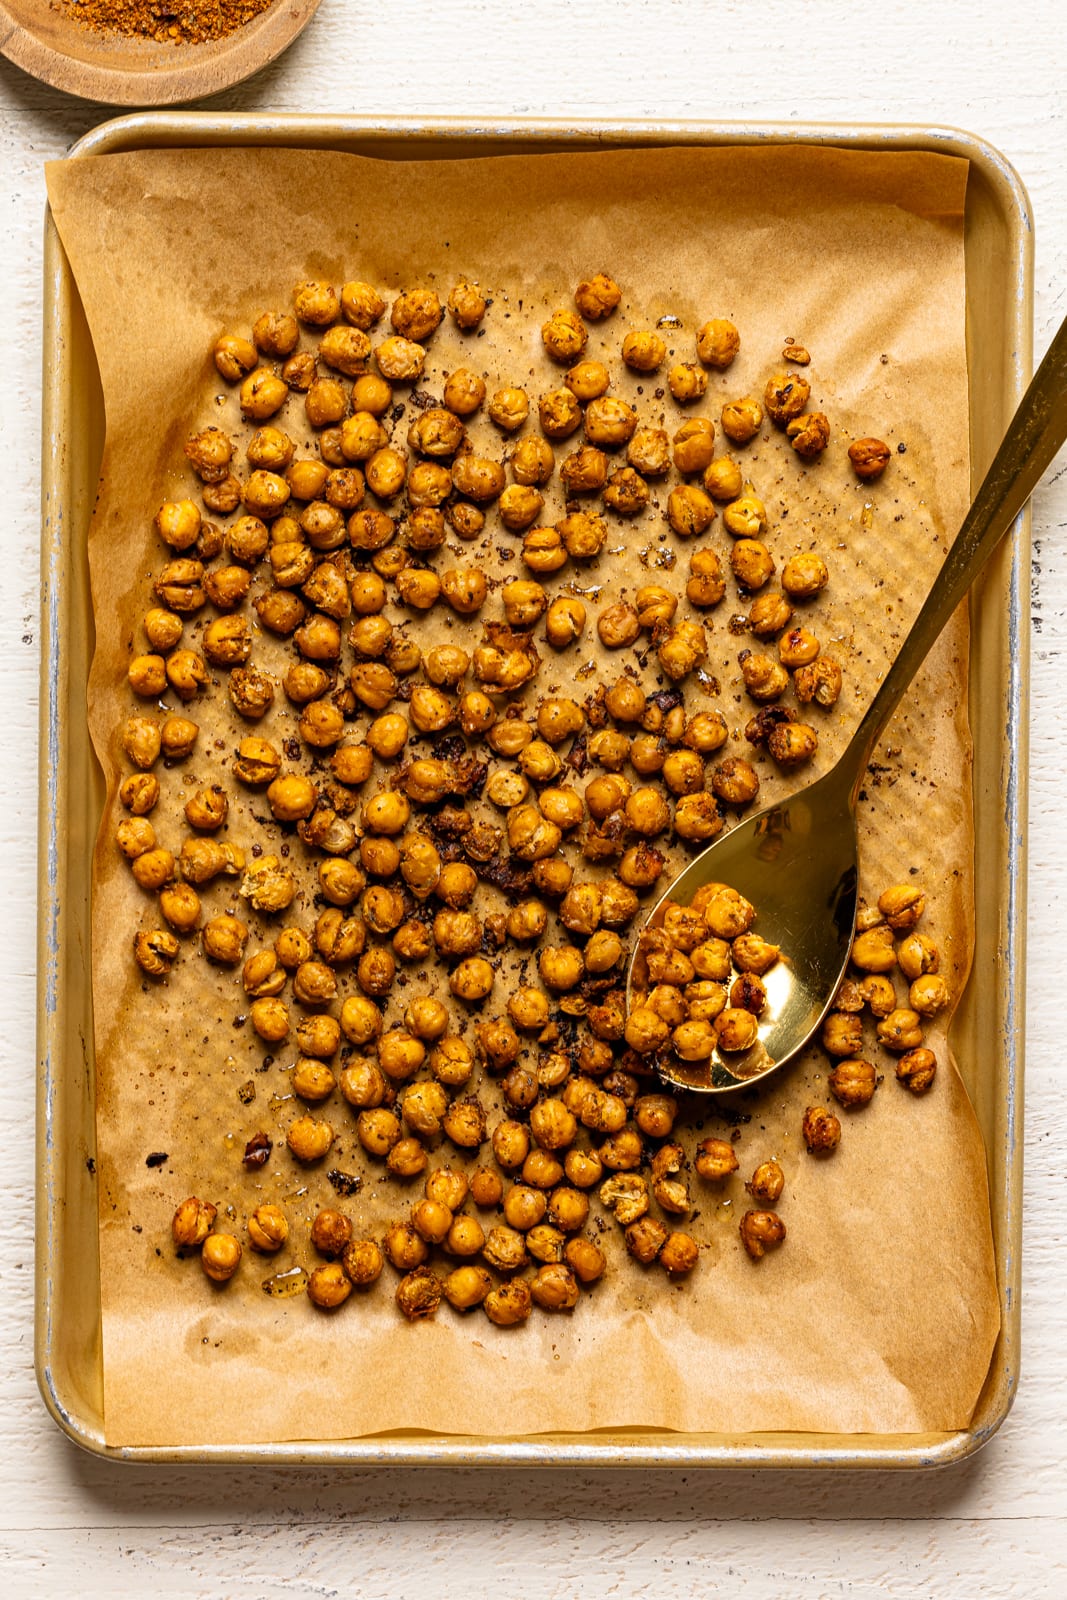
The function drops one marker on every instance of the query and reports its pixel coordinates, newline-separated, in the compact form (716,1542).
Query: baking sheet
(888,1385)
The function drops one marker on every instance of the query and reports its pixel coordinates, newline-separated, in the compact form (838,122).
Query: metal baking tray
(988,1027)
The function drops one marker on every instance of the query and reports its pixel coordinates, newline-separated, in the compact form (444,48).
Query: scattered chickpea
(821,1130)
(761,1231)
(220,1256)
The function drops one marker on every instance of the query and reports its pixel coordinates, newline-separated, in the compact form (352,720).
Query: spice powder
(166,21)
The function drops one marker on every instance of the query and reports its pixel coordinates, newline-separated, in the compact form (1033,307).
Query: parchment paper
(880,1312)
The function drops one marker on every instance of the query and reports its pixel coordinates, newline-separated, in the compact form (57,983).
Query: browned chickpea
(472,980)
(563,336)
(378,1130)
(325,403)
(679,1255)
(345,349)
(597,297)
(785,396)
(761,1231)
(694,445)
(510,1304)
(626,492)
(559,413)
(268,1229)
(464,1123)
(314,983)
(220,1256)
(555,1287)
(869,458)
(361,305)
(873,951)
(400,360)
(362,1262)
(609,421)
(742,419)
(407,1159)
(155,951)
(918,956)
(331,1231)
(687,382)
(735,1029)
(585,1259)
(809,435)
(147,676)
(520,506)
(715,1160)
(584,472)
(682,650)
(618,626)
(180,586)
(853,1082)
(309,1140)
(901,1030)
(300,371)
(524,1207)
(328,1286)
(643,350)
(689,511)
(767,1183)
(234,356)
(192,1222)
(371,393)
(645,1239)
(419,1294)
(403,1246)
(821,1130)
(718,342)
(791,744)
(466,305)
(532,461)
(464,392)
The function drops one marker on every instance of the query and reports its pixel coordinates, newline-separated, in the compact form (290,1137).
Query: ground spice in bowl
(166,21)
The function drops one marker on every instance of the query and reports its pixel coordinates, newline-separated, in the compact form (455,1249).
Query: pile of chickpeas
(697,984)
(431,812)
(887,944)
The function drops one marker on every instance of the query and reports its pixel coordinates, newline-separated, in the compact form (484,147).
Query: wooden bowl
(122,71)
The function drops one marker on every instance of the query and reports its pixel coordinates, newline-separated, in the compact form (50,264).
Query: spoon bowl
(797,861)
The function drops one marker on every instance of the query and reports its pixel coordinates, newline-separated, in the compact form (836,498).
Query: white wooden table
(996,1526)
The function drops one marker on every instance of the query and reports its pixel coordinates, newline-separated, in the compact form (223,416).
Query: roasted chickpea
(400,360)
(752,564)
(742,419)
(597,297)
(694,445)
(687,382)
(809,435)
(309,1140)
(520,506)
(745,517)
(643,350)
(220,1256)
(715,1160)
(869,458)
(378,1130)
(761,1231)
(528,1009)
(785,396)
(690,511)
(404,1247)
(464,1123)
(645,1239)
(564,336)
(790,744)
(821,1130)
(361,1261)
(268,1229)
(314,983)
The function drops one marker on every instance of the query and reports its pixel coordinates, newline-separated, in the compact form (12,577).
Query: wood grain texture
(997,1525)
(127,70)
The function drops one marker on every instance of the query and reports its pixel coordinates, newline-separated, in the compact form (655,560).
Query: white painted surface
(996,1526)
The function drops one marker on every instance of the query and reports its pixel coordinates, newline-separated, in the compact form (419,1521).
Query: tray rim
(633,1448)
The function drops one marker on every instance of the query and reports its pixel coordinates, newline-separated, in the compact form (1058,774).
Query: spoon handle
(1035,434)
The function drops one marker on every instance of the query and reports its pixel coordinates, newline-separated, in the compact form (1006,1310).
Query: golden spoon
(797,861)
